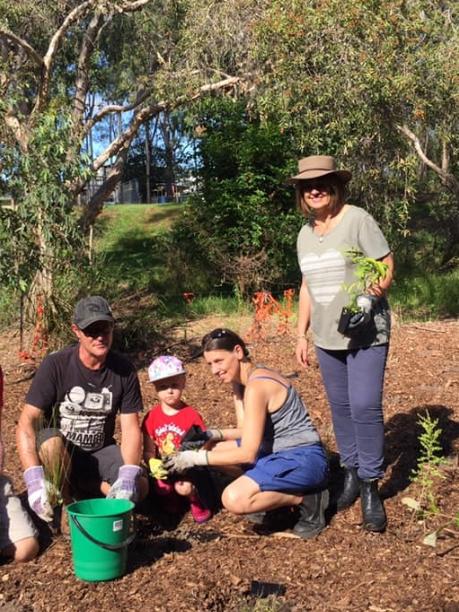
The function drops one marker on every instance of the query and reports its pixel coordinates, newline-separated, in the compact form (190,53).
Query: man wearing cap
(68,421)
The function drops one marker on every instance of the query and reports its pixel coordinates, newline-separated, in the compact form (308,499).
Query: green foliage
(427,472)
(241,226)
(341,76)
(41,233)
(368,271)
(426,296)
(426,476)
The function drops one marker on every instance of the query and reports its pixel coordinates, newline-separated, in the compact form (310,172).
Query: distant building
(130,191)
(126,192)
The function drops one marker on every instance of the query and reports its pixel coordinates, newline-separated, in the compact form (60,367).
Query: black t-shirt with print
(83,403)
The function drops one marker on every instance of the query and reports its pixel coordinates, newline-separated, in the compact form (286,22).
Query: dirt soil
(226,564)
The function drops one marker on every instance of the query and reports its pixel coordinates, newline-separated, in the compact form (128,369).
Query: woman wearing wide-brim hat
(352,362)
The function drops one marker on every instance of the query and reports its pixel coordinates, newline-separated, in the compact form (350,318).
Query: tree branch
(72,17)
(34,56)
(121,144)
(82,77)
(154,109)
(20,132)
(96,202)
(448,179)
(53,48)
(114,108)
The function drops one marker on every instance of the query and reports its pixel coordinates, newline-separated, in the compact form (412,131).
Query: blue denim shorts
(292,471)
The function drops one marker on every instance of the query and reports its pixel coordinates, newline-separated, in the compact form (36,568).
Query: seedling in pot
(358,313)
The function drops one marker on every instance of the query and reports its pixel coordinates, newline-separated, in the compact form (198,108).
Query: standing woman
(277,444)
(352,363)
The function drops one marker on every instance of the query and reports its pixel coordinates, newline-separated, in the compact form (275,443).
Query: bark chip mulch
(226,564)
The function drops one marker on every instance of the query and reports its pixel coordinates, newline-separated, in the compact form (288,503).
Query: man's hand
(184,460)
(34,478)
(125,486)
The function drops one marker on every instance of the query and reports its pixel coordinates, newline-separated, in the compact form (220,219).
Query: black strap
(118,546)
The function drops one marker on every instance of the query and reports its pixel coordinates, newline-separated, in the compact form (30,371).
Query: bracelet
(301,336)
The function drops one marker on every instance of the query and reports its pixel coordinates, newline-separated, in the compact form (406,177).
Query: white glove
(125,486)
(366,302)
(34,478)
(184,460)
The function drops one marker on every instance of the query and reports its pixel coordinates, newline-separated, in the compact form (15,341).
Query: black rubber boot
(373,513)
(350,490)
(312,515)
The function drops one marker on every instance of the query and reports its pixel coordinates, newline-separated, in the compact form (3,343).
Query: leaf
(411,503)
(430,539)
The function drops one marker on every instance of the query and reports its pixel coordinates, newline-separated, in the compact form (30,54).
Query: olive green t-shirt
(327,270)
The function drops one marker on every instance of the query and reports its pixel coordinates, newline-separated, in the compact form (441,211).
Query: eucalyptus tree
(65,67)
(376,84)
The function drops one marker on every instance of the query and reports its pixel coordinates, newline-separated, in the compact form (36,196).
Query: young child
(17,533)
(165,426)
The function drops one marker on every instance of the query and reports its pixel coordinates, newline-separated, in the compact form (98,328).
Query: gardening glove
(125,486)
(182,461)
(366,302)
(37,495)
(195,438)
(157,469)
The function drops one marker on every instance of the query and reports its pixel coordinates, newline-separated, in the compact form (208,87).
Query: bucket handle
(126,542)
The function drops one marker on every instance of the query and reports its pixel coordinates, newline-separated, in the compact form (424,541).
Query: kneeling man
(68,421)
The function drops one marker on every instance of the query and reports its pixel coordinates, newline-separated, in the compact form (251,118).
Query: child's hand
(157,469)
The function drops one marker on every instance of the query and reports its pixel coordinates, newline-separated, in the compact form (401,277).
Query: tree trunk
(169,157)
(147,162)
(95,205)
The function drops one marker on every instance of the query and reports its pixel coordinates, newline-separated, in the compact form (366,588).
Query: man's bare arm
(131,438)
(26,436)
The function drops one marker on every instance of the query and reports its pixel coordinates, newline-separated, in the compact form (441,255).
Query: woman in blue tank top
(275,442)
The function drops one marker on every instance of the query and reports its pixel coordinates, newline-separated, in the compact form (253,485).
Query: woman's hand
(302,352)
(184,460)
(380,289)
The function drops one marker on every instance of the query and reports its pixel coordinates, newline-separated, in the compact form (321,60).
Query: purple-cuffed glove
(34,478)
(125,486)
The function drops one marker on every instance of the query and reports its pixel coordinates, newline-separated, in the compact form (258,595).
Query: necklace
(326,226)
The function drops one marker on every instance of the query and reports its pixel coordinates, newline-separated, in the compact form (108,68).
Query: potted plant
(356,316)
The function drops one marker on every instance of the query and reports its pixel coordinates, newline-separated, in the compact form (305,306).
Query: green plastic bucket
(100,532)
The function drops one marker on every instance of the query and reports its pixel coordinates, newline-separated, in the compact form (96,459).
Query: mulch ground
(226,564)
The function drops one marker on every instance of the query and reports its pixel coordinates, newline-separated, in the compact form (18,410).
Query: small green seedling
(426,476)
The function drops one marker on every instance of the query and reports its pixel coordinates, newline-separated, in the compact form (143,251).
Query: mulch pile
(226,564)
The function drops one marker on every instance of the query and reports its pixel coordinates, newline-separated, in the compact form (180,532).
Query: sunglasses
(98,329)
(218,333)
(318,185)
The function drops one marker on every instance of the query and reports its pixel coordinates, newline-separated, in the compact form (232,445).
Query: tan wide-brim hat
(318,165)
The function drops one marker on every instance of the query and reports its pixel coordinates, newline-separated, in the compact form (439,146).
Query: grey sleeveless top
(290,426)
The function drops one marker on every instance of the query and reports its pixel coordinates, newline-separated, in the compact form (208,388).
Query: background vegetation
(232,93)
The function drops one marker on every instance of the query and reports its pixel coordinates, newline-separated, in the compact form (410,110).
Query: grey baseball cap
(91,309)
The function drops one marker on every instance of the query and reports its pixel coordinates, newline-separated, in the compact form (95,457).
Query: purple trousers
(353,381)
